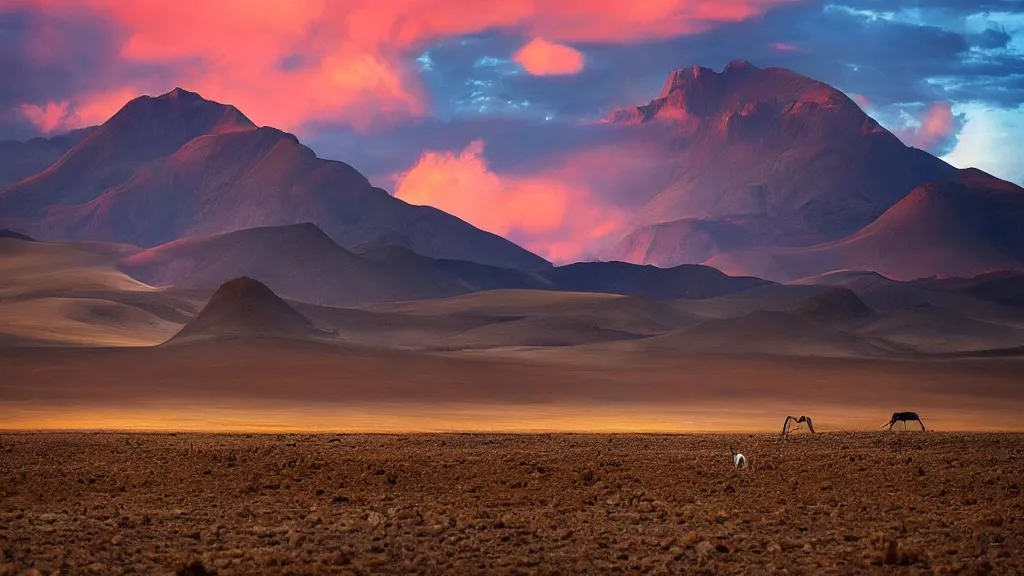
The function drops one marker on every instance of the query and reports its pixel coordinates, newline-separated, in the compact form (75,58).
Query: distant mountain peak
(684,78)
(180,93)
(179,112)
(697,93)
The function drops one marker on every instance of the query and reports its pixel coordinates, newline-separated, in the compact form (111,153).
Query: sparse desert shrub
(195,568)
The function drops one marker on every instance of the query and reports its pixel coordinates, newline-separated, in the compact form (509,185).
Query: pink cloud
(936,124)
(545,211)
(542,58)
(862,101)
(56,117)
(355,54)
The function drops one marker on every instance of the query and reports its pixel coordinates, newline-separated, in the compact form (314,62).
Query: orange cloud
(350,61)
(547,214)
(542,58)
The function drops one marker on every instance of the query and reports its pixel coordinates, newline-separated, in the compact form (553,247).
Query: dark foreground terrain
(836,503)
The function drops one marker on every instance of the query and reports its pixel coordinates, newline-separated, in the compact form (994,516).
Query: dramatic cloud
(933,127)
(937,124)
(408,91)
(287,63)
(543,58)
(549,212)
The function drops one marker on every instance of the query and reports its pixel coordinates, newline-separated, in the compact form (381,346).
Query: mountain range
(777,176)
(782,176)
(178,165)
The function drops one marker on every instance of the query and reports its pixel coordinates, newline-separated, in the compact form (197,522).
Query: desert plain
(830,503)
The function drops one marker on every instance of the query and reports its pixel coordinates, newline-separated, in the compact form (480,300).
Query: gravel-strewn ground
(835,503)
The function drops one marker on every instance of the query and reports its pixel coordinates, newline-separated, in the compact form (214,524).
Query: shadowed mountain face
(1006,287)
(688,281)
(22,159)
(15,235)
(297,261)
(301,262)
(177,165)
(245,308)
(766,158)
(962,228)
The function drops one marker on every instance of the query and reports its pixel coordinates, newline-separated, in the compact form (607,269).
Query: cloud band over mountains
(406,87)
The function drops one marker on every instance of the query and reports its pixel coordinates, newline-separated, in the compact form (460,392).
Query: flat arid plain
(831,503)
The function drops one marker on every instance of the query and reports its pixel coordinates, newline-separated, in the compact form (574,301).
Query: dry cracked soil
(831,503)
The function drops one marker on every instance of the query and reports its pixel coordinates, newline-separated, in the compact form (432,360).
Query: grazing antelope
(797,421)
(903,417)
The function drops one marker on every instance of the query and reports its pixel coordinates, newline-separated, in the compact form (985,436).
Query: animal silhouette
(787,429)
(903,417)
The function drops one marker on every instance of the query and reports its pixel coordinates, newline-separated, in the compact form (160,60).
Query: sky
(486,108)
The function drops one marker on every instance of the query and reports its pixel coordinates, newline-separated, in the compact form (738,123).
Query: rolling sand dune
(342,387)
(500,302)
(932,329)
(1004,287)
(68,294)
(81,322)
(538,331)
(773,297)
(766,332)
(545,318)
(29,267)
